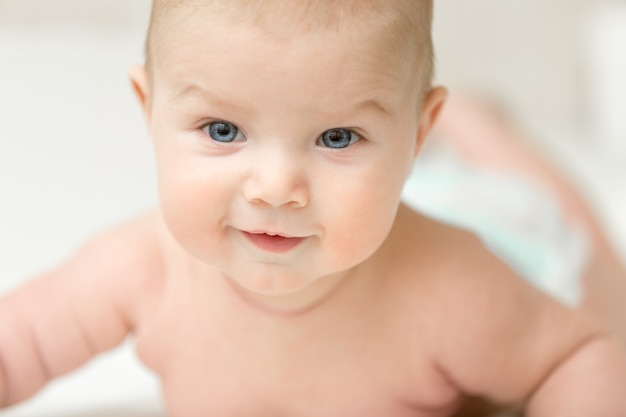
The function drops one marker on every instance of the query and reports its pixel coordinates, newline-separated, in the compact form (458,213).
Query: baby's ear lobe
(139,81)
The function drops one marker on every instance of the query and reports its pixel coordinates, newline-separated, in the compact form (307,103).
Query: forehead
(284,16)
(203,47)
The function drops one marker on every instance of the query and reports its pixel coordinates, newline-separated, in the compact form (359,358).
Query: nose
(277,181)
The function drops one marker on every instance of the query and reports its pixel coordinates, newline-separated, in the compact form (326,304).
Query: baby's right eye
(223,132)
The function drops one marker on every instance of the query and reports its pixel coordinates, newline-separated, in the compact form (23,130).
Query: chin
(273,284)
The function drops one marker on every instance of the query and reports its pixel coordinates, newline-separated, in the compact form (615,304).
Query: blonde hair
(406,24)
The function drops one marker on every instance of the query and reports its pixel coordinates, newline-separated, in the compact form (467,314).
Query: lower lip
(275,244)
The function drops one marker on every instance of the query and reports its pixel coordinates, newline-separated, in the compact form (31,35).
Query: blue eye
(338,138)
(224,132)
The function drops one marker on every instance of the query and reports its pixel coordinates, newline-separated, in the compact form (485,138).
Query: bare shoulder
(87,305)
(124,262)
(436,249)
(460,270)
(496,336)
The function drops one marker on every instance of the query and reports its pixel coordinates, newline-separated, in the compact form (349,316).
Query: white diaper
(517,220)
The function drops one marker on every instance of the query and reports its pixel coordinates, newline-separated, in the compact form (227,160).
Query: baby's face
(280,161)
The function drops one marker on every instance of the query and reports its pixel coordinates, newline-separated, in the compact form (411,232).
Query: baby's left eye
(338,138)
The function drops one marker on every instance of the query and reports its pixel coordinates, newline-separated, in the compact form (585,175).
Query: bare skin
(411,345)
(281,275)
(490,140)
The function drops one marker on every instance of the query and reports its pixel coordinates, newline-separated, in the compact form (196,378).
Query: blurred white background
(559,68)
(75,157)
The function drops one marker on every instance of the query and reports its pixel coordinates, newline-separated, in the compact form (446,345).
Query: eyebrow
(187,90)
(193,89)
(376,105)
(196,90)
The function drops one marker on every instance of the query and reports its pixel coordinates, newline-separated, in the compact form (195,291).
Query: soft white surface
(114,384)
(75,157)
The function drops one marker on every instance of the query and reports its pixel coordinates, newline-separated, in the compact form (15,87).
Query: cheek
(191,202)
(362,215)
(182,209)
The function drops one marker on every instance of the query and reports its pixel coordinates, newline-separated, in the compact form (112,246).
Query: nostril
(299,203)
(276,188)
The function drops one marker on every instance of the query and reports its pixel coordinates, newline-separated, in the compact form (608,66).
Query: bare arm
(57,322)
(590,382)
(513,345)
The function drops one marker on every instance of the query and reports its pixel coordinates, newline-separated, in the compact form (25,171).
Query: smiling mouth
(273,243)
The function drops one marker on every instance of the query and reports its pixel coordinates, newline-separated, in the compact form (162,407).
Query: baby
(281,275)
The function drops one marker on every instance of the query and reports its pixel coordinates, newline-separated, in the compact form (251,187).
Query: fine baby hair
(405,24)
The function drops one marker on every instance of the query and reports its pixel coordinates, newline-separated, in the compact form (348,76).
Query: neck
(297,303)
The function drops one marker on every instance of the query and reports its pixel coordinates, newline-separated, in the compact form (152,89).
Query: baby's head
(288,118)
(400,28)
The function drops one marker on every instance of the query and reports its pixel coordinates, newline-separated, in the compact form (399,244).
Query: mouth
(275,243)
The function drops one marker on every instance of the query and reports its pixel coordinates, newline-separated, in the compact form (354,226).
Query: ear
(141,86)
(430,111)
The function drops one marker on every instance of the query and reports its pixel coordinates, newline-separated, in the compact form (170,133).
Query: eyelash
(352,139)
(211,128)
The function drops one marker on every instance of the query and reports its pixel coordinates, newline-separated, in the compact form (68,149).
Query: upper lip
(270,233)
